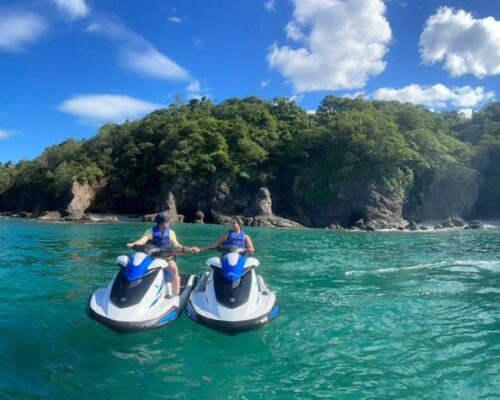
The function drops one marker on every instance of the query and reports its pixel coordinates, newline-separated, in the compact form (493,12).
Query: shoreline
(108,218)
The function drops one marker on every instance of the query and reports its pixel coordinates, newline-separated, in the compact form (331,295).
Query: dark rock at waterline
(334,227)
(104,218)
(422,228)
(50,216)
(199,217)
(475,225)
(359,224)
(457,221)
(22,214)
(412,226)
(447,223)
(438,226)
(179,218)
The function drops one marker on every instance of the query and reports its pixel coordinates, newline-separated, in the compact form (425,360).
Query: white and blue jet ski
(140,296)
(231,297)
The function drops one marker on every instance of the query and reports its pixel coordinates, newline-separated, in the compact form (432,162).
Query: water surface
(387,315)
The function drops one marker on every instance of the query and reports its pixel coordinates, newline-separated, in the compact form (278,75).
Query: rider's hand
(195,249)
(130,245)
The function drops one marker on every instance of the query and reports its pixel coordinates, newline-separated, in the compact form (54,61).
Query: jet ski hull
(147,314)
(233,327)
(228,308)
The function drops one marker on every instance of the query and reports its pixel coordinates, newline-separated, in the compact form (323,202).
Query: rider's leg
(176,280)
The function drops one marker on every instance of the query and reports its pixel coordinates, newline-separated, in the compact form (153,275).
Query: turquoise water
(387,315)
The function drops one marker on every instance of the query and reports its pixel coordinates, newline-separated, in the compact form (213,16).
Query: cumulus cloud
(73,9)
(270,5)
(341,44)
(465,44)
(20,28)
(137,54)
(4,134)
(437,96)
(107,107)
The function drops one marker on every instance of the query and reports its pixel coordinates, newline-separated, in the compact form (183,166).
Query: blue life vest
(235,239)
(161,240)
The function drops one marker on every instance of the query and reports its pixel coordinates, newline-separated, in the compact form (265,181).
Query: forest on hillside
(325,167)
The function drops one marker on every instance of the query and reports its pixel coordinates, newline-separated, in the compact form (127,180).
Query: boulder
(475,225)
(360,224)
(275,222)
(199,217)
(457,221)
(22,214)
(412,226)
(50,216)
(222,219)
(447,223)
(422,228)
(438,226)
(334,227)
(179,219)
(107,218)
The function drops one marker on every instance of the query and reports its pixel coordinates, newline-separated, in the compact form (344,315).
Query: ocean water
(365,315)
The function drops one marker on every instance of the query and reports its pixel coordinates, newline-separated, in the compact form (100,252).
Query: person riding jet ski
(236,237)
(231,297)
(164,238)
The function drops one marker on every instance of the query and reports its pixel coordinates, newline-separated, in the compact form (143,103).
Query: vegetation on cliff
(347,158)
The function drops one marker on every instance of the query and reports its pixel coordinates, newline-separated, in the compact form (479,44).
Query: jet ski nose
(232,259)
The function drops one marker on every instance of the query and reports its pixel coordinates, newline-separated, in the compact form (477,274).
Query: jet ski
(140,296)
(231,297)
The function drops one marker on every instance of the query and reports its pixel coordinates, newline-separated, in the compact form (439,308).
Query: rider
(235,237)
(163,237)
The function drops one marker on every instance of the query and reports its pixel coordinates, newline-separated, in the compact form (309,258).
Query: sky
(69,66)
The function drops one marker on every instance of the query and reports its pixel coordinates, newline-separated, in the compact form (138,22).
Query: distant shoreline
(104,218)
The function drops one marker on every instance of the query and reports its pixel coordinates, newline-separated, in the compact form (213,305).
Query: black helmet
(161,218)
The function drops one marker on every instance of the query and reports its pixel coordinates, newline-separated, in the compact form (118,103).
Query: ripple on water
(371,315)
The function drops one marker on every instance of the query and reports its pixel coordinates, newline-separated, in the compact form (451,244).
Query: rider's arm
(177,245)
(249,245)
(218,243)
(148,235)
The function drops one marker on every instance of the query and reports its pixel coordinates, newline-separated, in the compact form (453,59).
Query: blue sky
(68,66)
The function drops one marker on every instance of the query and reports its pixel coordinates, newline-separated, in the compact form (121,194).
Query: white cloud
(270,5)
(4,134)
(73,9)
(343,44)
(195,91)
(465,44)
(138,54)
(107,107)
(265,83)
(175,19)
(194,87)
(438,96)
(466,113)
(20,28)
(297,98)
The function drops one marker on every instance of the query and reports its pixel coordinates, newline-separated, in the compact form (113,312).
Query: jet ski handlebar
(231,249)
(154,251)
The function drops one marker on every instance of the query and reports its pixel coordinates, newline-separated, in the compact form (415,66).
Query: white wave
(469,266)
